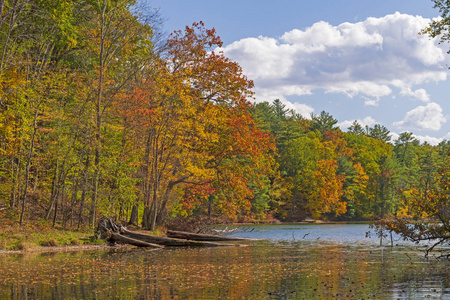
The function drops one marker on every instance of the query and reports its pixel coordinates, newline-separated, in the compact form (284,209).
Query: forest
(101,116)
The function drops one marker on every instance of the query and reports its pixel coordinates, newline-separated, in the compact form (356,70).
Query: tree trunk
(55,191)
(210,199)
(134,215)
(146,182)
(55,213)
(154,207)
(15,185)
(83,190)
(153,214)
(203,237)
(27,169)
(71,209)
(171,242)
(146,217)
(163,211)
(98,113)
(130,241)
(106,226)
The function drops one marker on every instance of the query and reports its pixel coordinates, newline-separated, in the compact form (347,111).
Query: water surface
(332,261)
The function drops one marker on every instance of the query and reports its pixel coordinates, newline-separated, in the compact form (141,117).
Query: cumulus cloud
(394,136)
(303,109)
(419,94)
(429,117)
(321,36)
(367,59)
(369,121)
(430,140)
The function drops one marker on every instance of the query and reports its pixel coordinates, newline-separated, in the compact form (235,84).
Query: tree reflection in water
(263,270)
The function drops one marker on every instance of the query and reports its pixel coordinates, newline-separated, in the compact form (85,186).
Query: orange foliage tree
(190,116)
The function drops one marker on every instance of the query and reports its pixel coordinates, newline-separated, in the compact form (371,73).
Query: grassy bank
(31,237)
(36,234)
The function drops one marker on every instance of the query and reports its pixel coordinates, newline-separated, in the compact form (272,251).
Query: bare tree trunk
(56,211)
(154,209)
(27,168)
(163,211)
(72,205)
(54,194)
(83,191)
(134,215)
(210,200)
(15,186)
(146,217)
(98,112)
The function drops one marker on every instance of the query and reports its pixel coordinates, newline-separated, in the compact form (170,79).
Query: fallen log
(112,231)
(203,237)
(171,242)
(115,237)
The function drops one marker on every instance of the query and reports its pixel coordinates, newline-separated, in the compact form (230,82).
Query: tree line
(99,117)
(353,175)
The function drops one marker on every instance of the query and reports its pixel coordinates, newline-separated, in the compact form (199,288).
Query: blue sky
(356,59)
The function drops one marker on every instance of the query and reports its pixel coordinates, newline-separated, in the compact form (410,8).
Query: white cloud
(322,35)
(419,94)
(427,117)
(369,121)
(370,102)
(430,140)
(394,136)
(262,57)
(303,109)
(366,59)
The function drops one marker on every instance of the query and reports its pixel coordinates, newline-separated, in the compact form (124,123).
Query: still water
(293,262)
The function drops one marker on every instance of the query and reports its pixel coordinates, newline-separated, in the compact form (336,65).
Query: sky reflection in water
(341,264)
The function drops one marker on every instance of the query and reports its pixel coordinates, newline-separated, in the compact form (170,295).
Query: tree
(375,158)
(120,46)
(323,122)
(435,204)
(34,43)
(190,116)
(408,171)
(311,167)
(379,132)
(432,198)
(439,27)
(356,128)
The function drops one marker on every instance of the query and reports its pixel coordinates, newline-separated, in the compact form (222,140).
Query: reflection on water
(336,233)
(278,268)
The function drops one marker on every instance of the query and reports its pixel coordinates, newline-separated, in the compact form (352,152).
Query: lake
(293,262)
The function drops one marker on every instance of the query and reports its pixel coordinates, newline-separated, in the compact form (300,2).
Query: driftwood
(171,242)
(113,232)
(126,240)
(109,230)
(203,237)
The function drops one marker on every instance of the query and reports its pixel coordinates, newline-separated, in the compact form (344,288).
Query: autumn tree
(190,113)
(35,40)
(434,204)
(356,128)
(323,122)
(431,196)
(120,46)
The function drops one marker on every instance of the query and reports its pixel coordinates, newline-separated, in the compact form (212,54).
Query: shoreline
(105,246)
(67,248)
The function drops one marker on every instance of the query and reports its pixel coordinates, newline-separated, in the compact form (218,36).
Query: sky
(355,59)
